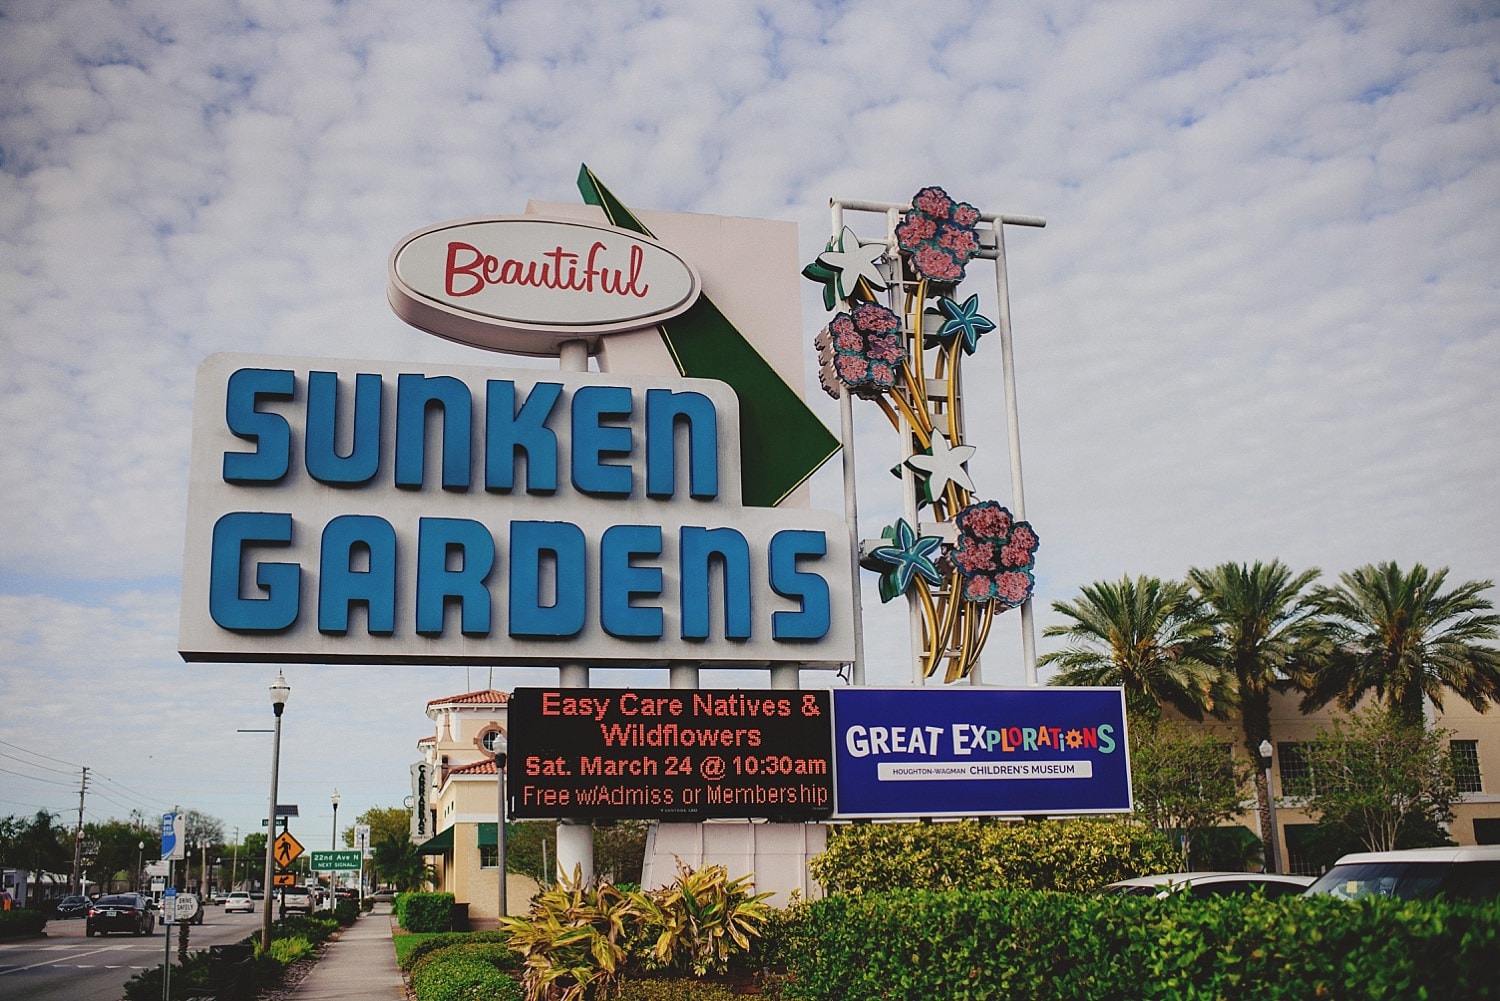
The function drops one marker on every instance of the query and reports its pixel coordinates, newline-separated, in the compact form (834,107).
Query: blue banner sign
(975,752)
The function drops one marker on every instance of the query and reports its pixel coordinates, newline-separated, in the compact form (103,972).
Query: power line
(35,778)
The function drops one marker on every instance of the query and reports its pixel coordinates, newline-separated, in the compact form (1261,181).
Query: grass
(405,942)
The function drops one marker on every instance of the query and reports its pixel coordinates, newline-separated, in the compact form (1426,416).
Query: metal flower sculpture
(973,560)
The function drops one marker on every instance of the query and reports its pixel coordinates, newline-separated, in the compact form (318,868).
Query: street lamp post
(501,746)
(140,864)
(280,691)
(333,845)
(1265,757)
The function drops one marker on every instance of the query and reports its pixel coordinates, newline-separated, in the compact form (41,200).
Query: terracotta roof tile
(474,768)
(484,697)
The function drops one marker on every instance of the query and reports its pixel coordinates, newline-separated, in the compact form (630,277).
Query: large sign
(670,754)
(524,284)
(362,511)
(967,752)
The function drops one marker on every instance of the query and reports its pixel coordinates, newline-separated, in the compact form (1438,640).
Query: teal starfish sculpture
(963,325)
(907,556)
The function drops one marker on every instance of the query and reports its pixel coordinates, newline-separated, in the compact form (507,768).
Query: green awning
(487,835)
(439,844)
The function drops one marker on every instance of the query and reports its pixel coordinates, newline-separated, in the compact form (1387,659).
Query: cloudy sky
(1262,321)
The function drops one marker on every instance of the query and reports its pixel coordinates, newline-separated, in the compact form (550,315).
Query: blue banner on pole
(975,752)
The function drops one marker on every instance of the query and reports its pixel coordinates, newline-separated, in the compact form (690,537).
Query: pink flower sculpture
(938,236)
(995,554)
(868,349)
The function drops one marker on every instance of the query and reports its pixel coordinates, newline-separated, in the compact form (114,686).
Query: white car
(1211,884)
(1463,873)
(239,900)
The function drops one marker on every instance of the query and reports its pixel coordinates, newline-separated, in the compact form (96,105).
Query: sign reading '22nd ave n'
(524,284)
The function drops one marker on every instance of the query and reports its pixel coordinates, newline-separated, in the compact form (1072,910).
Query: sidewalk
(360,965)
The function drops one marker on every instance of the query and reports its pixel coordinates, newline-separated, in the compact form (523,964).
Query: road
(64,965)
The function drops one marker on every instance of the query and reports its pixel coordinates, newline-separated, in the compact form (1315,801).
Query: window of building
(1487,830)
(1295,770)
(488,739)
(1466,765)
(1299,850)
(489,856)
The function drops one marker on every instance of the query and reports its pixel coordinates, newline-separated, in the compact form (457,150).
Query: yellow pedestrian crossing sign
(287,850)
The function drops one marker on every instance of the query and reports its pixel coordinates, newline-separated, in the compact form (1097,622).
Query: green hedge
(425,911)
(19,921)
(1026,944)
(448,940)
(465,973)
(1040,855)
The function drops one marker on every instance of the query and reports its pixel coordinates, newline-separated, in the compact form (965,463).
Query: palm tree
(1153,638)
(1263,621)
(1400,636)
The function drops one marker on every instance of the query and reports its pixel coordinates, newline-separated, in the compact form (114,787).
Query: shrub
(675,990)
(287,951)
(699,922)
(21,921)
(459,973)
(1027,944)
(447,940)
(425,911)
(1042,855)
(346,912)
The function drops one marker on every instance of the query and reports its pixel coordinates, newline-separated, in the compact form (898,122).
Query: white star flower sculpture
(945,465)
(853,262)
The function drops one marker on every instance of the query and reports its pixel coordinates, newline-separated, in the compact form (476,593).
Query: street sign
(288,849)
(177,908)
(362,838)
(335,861)
(283,879)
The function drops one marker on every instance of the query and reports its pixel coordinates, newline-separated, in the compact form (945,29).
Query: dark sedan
(120,912)
(73,907)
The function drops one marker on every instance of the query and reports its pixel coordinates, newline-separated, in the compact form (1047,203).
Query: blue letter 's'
(340,584)
(812,622)
(698,550)
(663,408)
(592,440)
(415,394)
(324,463)
(563,542)
(270,432)
(508,431)
(620,580)
(282,582)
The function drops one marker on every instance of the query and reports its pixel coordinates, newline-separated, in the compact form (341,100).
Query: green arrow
(782,442)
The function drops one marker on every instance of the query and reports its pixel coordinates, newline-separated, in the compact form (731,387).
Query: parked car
(346,893)
(1463,873)
(383,895)
(297,898)
(1211,884)
(120,912)
(73,906)
(239,901)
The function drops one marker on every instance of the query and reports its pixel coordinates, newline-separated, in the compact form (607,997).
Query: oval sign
(526,284)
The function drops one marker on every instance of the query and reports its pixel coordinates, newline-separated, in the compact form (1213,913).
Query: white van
(1462,873)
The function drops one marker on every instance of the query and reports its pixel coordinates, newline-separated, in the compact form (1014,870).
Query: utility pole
(76,882)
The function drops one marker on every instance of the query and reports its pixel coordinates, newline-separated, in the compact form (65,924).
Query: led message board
(669,754)
(973,752)
(371,511)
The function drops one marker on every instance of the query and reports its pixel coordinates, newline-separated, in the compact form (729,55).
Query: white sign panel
(369,511)
(524,284)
